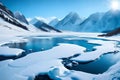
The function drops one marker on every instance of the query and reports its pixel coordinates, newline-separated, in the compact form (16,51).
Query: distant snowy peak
(37,23)
(72,17)
(70,22)
(91,23)
(97,22)
(34,20)
(111,20)
(46,20)
(43,26)
(53,22)
(101,22)
(20,17)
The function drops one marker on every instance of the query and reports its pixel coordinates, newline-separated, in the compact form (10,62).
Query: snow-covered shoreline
(35,63)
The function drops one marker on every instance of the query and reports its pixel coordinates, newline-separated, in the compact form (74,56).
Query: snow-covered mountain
(101,22)
(111,20)
(20,17)
(70,22)
(43,26)
(8,16)
(18,23)
(53,22)
(92,23)
(97,22)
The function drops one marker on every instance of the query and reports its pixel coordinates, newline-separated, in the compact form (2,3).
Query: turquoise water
(36,44)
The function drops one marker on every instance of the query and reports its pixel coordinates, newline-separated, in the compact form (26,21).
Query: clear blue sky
(58,8)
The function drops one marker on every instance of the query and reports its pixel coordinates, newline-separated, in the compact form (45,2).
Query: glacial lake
(42,43)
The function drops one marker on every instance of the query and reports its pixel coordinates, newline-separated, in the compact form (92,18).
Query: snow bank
(106,46)
(56,74)
(6,51)
(61,51)
(43,62)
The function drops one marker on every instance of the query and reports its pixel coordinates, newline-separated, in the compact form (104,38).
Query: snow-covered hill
(70,22)
(43,26)
(111,20)
(92,23)
(20,17)
(101,22)
(8,28)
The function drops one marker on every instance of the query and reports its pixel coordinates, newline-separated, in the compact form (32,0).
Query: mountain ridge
(43,26)
(20,17)
(69,22)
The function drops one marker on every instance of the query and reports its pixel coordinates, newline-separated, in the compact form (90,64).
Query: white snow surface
(49,62)
(106,46)
(6,51)
(43,62)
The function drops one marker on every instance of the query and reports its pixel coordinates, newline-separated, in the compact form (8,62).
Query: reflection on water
(35,44)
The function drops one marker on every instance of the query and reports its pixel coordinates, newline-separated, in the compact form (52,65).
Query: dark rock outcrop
(112,33)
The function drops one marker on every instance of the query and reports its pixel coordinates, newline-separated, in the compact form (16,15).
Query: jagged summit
(69,22)
(18,15)
(35,20)
(72,17)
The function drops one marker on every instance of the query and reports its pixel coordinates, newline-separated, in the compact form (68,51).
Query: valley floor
(49,61)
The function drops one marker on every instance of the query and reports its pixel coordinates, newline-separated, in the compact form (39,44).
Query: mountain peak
(69,22)
(73,14)
(35,20)
(72,17)
(18,15)
(42,26)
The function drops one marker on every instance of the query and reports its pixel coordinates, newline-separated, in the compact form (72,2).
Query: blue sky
(58,8)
